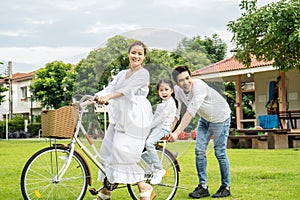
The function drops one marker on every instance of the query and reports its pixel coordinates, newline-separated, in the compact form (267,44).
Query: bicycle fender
(88,168)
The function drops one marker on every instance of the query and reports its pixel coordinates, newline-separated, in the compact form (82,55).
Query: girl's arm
(186,119)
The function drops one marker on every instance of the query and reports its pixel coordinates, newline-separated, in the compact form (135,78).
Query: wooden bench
(248,141)
(291,115)
(294,138)
(277,138)
(249,121)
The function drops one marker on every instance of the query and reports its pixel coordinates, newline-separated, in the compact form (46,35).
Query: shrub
(34,129)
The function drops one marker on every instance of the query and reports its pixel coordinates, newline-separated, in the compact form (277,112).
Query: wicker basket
(59,123)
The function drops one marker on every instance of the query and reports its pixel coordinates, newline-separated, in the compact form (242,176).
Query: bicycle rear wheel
(166,190)
(39,175)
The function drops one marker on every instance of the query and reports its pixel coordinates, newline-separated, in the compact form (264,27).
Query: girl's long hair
(171,85)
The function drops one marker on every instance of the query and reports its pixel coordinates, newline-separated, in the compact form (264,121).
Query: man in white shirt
(214,112)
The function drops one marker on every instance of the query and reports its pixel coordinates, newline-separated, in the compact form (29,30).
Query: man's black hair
(178,70)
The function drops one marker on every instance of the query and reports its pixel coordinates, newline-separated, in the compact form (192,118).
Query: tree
(271,32)
(2,90)
(86,82)
(47,84)
(214,47)
(201,52)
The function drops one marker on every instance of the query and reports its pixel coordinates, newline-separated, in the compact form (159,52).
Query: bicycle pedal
(175,154)
(93,191)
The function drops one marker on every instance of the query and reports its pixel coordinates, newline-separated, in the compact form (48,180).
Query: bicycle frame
(76,139)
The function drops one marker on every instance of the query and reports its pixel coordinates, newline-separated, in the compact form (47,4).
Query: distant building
(22,100)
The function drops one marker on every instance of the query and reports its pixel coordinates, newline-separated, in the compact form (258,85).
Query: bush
(35,129)
(17,124)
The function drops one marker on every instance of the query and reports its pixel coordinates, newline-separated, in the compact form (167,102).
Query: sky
(36,32)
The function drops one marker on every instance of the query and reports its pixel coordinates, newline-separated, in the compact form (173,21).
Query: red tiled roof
(229,64)
(22,76)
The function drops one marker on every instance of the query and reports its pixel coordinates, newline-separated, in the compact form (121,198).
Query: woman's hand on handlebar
(101,100)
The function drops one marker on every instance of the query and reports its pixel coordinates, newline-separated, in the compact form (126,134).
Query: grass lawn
(255,174)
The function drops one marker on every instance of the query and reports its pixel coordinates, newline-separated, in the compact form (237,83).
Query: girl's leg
(153,138)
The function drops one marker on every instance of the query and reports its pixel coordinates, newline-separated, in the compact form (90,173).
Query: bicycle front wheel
(40,180)
(166,190)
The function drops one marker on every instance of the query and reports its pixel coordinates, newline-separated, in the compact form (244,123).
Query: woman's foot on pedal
(102,196)
(147,195)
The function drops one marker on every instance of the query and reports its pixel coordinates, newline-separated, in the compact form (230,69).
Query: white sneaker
(157,176)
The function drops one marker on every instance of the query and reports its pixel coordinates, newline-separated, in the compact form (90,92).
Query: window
(24,92)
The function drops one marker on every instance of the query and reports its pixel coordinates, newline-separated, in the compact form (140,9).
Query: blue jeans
(220,132)
(152,157)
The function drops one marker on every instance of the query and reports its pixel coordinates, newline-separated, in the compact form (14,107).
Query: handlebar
(84,101)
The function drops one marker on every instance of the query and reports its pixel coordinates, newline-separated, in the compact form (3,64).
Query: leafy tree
(193,53)
(47,84)
(201,52)
(271,32)
(85,81)
(215,47)
(2,90)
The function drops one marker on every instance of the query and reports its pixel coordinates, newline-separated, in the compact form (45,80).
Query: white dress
(130,120)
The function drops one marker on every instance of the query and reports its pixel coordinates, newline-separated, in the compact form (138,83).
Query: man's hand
(172,137)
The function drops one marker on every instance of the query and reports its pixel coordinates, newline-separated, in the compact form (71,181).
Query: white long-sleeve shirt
(164,114)
(203,100)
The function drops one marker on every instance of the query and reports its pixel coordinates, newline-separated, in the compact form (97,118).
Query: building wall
(262,80)
(21,105)
(293,92)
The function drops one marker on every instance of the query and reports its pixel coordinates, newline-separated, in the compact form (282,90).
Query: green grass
(255,174)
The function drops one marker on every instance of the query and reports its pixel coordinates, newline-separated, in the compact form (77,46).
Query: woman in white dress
(130,115)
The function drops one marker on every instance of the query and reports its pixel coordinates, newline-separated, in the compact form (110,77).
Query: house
(22,101)
(259,75)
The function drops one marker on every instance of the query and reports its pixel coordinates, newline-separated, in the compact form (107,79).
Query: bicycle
(61,171)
